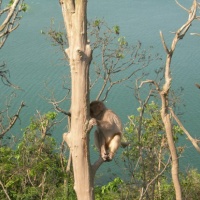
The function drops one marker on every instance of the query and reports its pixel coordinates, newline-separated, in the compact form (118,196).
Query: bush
(34,169)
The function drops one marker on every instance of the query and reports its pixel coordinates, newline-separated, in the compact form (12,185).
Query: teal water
(33,62)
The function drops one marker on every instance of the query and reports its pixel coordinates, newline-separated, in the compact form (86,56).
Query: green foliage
(147,161)
(10,2)
(42,124)
(122,41)
(190,185)
(96,23)
(23,6)
(35,170)
(148,153)
(57,36)
(51,115)
(109,191)
(144,133)
(116,29)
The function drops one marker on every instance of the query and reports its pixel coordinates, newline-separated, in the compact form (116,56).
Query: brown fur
(109,129)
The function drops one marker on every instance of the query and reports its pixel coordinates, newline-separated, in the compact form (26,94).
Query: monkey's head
(96,108)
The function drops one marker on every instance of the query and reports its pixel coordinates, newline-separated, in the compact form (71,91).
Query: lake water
(32,60)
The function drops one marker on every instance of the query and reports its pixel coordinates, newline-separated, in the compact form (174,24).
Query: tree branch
(163,42)
(155,178)
(182,6)
(192,140)
(97,164)
(150,81)
(9,23)
(4,78)
(12,121)
(5,191)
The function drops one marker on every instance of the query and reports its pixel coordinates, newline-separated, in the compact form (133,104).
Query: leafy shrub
(34,169)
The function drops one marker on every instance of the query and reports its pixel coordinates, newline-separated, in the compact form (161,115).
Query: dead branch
(57,108)
(124,58)
(155,178)
(29,178)
(192,16)
(192,140)
(69,163)
(5,191)
(12,121)
(182,6)
(10,14)
(164,44)
(3,74)
(52,100)
(142,106)
(196,34)
(151,82)
(10,23)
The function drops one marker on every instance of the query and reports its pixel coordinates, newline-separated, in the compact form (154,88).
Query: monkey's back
(111,122)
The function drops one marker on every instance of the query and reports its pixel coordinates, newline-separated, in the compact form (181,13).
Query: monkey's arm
(92,122)
(101,124)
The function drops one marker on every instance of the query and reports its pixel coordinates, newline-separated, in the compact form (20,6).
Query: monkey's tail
(125,144)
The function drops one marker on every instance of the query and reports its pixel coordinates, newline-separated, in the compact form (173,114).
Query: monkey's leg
(100,144)
(113,146)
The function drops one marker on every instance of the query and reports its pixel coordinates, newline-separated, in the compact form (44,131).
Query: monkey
(108,134)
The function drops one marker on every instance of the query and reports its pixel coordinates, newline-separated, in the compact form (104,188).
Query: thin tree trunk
(168,127)
(164,93)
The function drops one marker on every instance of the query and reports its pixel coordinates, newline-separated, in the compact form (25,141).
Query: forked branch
(10,23)
(164,93)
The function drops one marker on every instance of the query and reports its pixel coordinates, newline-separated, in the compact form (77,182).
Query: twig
(42,184)
(9,23)
(182,6)
(5,191)
(150,81)
(29,177)
(156,177)
(69,162)
(12,120)
(163,42)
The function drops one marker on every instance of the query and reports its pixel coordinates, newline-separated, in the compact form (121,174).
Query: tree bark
(174,163)
(167,124)
(80,55)
(165,113)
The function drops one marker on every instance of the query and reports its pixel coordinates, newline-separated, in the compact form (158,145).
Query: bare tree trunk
(165,113)
(80,55)
(164,93)
(167,124)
